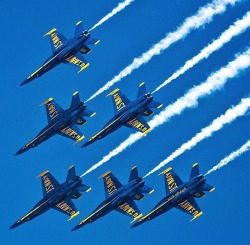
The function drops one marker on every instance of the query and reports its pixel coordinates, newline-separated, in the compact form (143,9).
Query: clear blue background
(124,37)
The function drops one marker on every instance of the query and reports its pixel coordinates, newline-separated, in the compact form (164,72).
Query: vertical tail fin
(71,173)
(142,90)
(133,174)
(75,99)
(79,29)
(195,171)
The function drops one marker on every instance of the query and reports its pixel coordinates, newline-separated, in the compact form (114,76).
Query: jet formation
(180,195)
(57,196)
(127,113)
(119,197)
(67,51)
(62,122)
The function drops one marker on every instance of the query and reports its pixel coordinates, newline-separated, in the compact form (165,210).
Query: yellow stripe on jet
(47,101)
(105,174)
(196,216)
(50,32)
(165,171)
(141,84)
(79,22)
(73,216)
(212,189)
(136,218)
(113,92)
(84,67)
(42,174)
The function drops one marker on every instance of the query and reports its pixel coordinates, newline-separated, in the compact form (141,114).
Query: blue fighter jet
(180,195)
(119,197)
(129,114)
(57,196)
(66,51)
(61,122)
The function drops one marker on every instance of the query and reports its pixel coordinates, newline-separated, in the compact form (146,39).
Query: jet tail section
(207,187)
(71,173)
(195,171)
(79,29)
(142,90)
(75,100)
(133,174)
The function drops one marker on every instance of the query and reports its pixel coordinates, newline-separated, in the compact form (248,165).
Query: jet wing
(77,60)
(130,209)
(139,124)
(190,206)
(57,39)
(111,183)
(67,207)
(172,180)
(53,110)
(49,183)
(119,100)
(72,133)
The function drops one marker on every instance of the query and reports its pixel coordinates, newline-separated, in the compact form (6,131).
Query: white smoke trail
(214,82)
(230,157)
(203,16)
(217,124)
(237,28)
(117,9)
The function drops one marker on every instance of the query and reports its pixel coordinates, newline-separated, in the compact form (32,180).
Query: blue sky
(124,37)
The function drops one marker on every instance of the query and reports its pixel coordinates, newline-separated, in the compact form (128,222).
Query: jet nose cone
(14,226)
(75,228)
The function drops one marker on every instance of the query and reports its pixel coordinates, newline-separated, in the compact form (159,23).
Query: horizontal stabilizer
(147,112)
(138,196)
(84,188)
(155,104)
(133,174)
(76,195)
(80,121)
(207,187)
(88,113)
(195,171)
(147,189)
(142,90)
(85,50)
(91,41)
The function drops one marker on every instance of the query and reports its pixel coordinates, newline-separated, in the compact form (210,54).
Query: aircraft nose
(14,225)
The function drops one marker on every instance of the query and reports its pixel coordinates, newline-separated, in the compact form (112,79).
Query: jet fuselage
(116,199)
(131,110)
(181,193)
(69,116)
(69,48)
(54,197)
